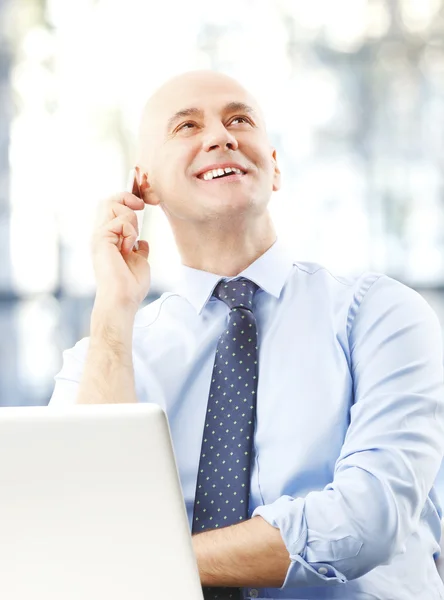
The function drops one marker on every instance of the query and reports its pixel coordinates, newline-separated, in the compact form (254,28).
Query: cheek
(177,168)
(266,167)
(166,176)
(260,155)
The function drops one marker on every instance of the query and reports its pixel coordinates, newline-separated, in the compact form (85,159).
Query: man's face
(206,124)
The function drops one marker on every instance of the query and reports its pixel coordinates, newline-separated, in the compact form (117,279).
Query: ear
(144,188)
(277,173)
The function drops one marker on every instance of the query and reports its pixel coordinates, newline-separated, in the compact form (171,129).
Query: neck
(224,247)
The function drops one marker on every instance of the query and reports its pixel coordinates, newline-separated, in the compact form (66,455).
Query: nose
(219,138)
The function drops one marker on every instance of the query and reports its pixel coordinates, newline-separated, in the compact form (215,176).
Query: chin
(230,201)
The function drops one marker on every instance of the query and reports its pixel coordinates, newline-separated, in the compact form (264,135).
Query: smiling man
(180,155)
(306,409)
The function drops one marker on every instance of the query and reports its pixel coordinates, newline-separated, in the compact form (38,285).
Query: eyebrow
(193,112)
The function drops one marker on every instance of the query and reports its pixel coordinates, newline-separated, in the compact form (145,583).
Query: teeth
(218,172)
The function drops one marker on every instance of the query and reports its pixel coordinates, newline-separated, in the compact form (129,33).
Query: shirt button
(254,593)
(322,571)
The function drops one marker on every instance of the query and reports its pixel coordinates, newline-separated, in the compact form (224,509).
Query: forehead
(208,92)
(209,95)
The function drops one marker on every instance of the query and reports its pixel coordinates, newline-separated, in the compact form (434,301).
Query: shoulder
(323,276)
(316,279)
(388,299)
(361,294)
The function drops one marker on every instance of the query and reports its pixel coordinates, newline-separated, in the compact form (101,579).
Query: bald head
(180,96)
(199,122)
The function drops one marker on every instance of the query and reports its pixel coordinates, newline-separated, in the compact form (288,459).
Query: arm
(248,554)
(108,376)
(123,278)
(389,460)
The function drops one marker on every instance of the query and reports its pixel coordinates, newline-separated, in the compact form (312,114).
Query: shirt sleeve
(392,450)
(68,379)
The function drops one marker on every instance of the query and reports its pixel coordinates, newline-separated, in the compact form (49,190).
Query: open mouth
(226,173)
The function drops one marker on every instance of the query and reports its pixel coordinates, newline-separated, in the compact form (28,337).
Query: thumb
(143,250)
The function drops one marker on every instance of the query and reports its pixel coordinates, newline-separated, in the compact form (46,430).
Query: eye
(242,119)
(186,125)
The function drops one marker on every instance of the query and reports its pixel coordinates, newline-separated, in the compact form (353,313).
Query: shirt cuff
(287,515)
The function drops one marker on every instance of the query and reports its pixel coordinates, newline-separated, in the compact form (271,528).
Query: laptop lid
(91,506)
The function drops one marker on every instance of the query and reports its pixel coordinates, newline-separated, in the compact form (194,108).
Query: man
(306,409)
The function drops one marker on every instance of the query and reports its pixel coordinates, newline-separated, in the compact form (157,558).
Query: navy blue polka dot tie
(223,481)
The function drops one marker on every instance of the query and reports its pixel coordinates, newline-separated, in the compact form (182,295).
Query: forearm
(108,375)
(248,554)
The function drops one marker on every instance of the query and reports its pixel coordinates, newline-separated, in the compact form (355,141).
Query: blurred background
(353,93)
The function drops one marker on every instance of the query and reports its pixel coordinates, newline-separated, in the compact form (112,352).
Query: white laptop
(91,506)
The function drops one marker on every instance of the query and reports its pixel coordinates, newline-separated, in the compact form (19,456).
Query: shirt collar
(269,272)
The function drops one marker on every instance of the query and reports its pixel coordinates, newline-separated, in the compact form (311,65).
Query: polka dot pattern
(223,481)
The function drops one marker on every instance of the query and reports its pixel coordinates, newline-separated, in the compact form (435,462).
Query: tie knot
(237,293)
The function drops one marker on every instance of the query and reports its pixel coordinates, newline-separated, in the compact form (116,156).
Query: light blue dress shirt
(349,433)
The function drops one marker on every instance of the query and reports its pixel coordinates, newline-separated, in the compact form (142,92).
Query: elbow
(379,527)
(374,551)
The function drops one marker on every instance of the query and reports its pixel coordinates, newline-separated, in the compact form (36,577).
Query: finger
(121,213)
(124,199)
(119,210)
(119,232)
(129,237)
(128,199)
(127,232)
